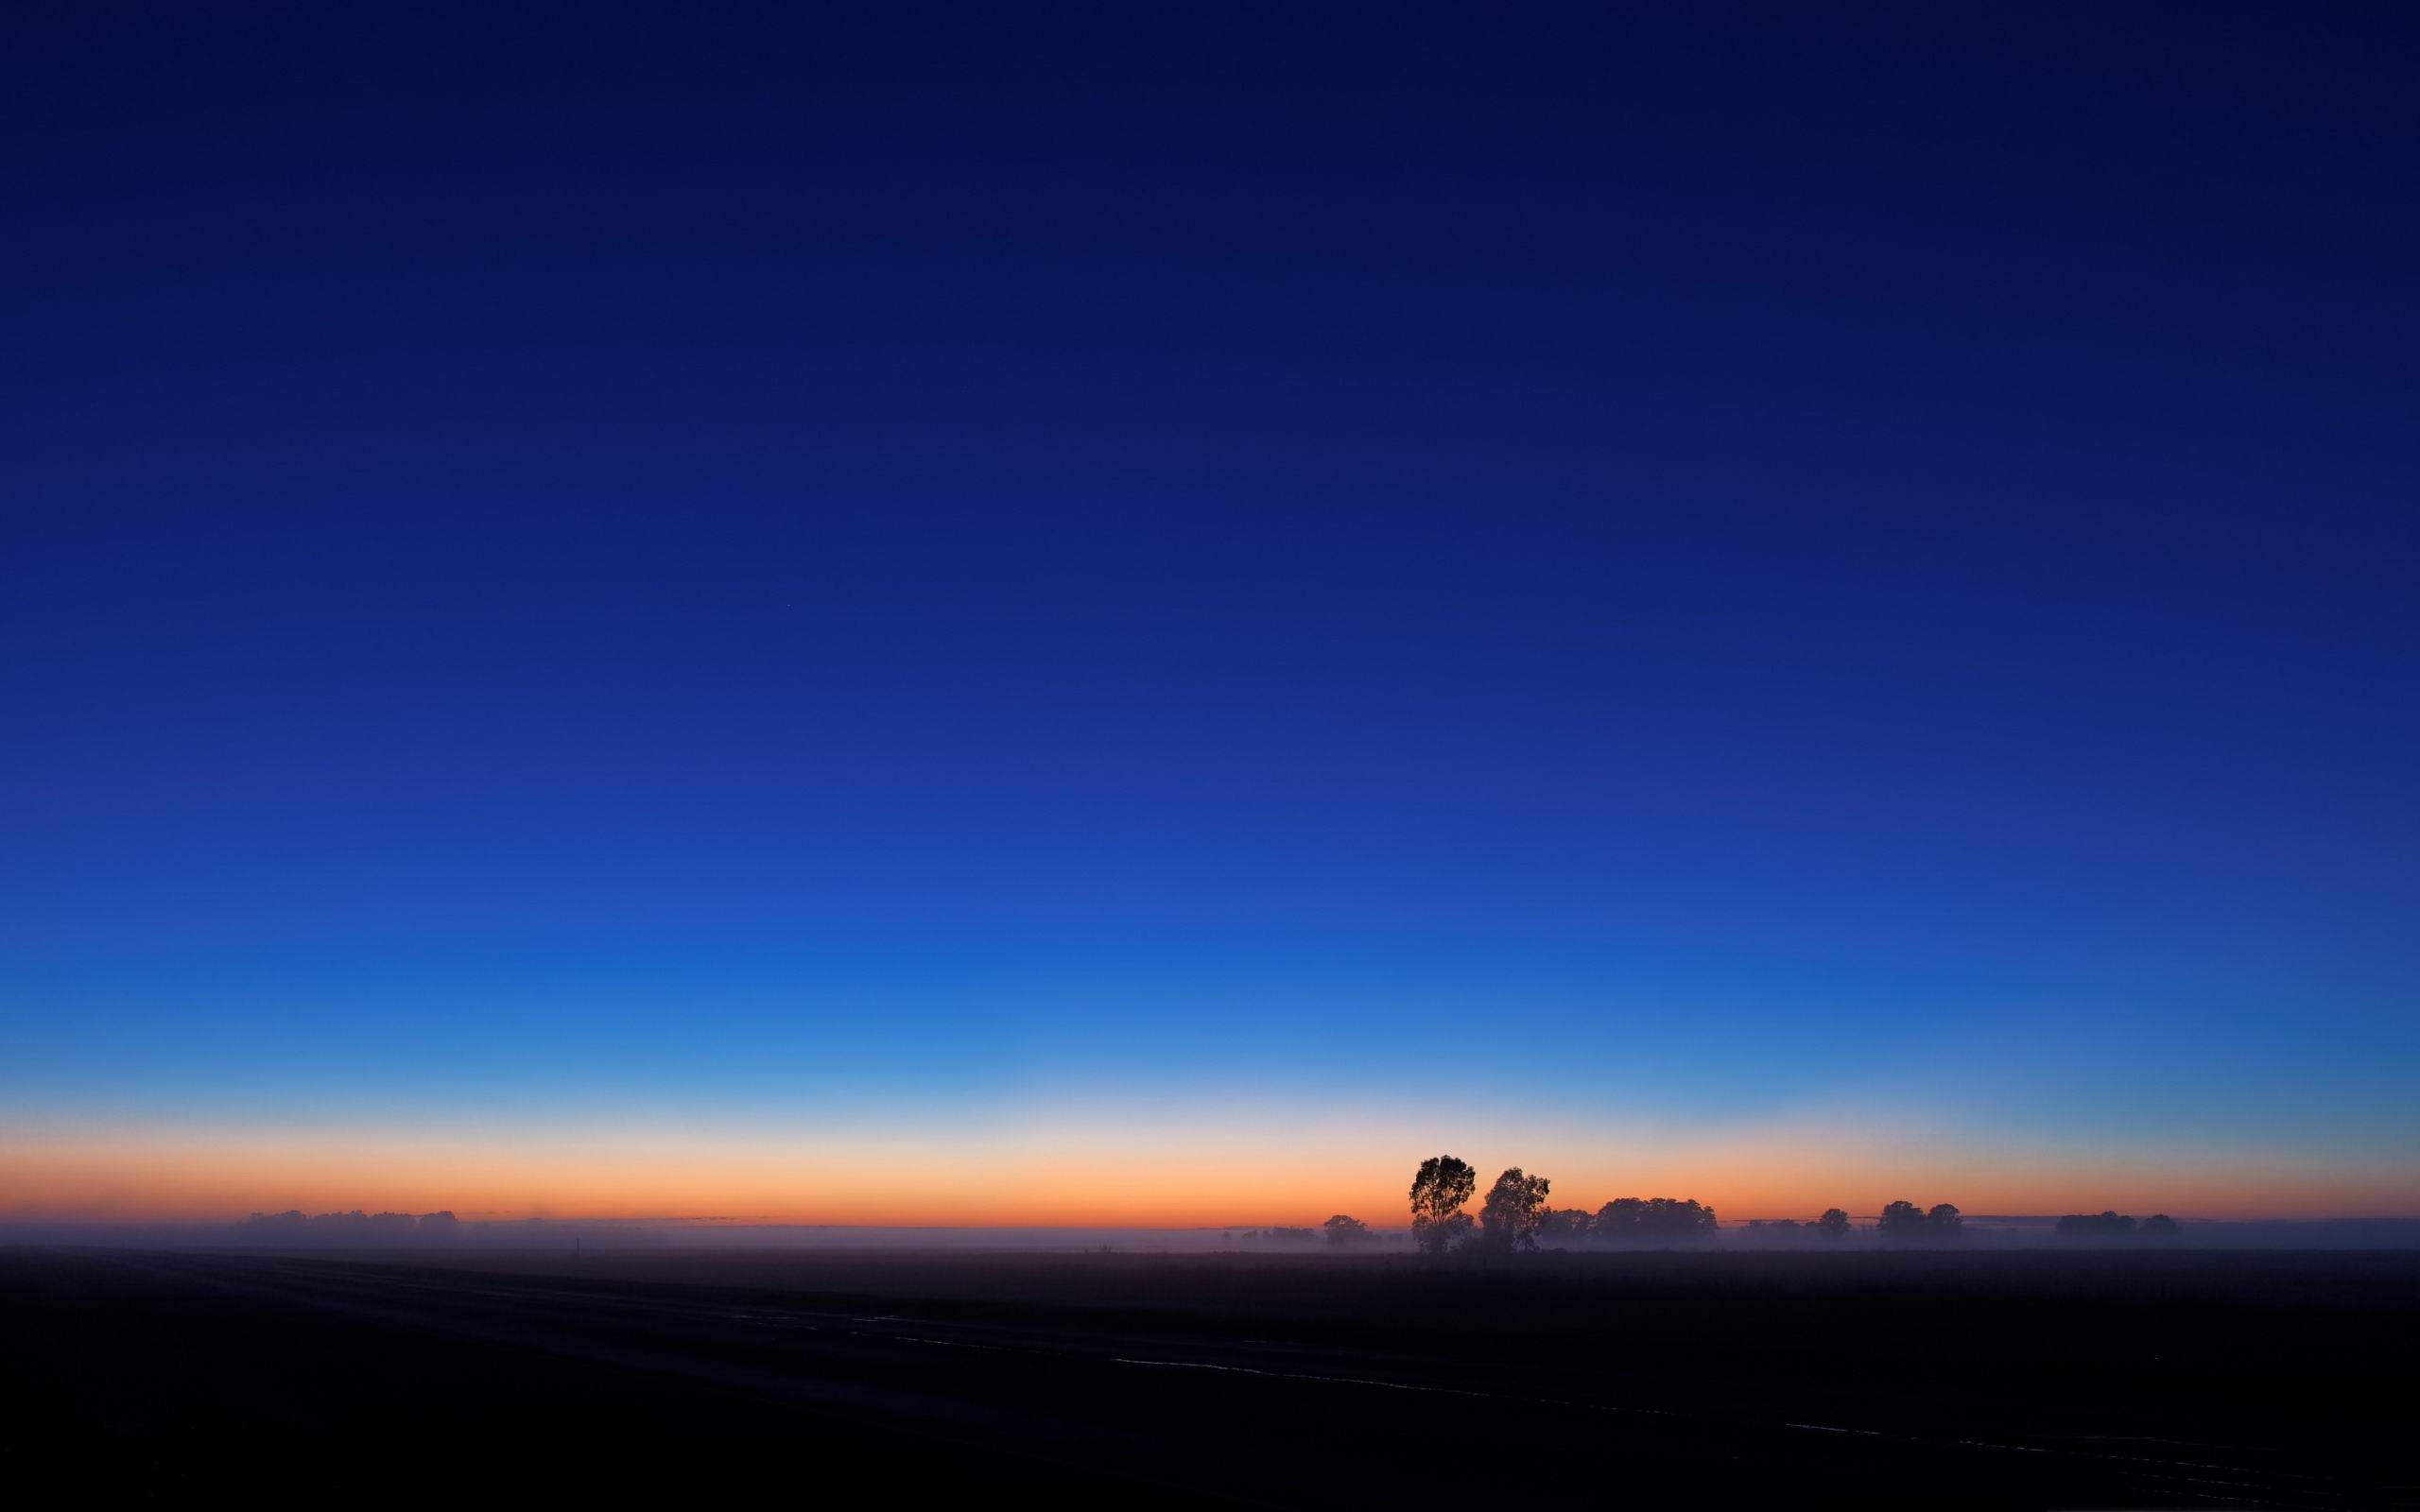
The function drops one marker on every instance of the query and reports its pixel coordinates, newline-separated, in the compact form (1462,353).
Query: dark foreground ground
(2136,1379)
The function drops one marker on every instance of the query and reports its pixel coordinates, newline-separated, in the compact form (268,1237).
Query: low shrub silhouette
(2104,1225)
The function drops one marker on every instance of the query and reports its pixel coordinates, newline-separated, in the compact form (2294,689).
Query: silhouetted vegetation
(1558,1225)
(2108,1225)
(1343,1230)
(1906,1222)
(1279,1233)
(2103,1225)
(351,1228)
(1627,1219)
(1509,1219)
(1833,1225)
(1438,1192)
(1516,1217)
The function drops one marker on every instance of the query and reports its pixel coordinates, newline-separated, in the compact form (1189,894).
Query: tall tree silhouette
(1833,1224)
(1514,1205)
(1438,1194)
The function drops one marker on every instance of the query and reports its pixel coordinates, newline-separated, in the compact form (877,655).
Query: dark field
(1992,1380)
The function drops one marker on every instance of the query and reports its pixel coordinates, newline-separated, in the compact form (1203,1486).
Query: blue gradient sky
(1647,592)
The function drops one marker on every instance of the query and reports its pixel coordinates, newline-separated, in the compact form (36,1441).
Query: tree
(1905,1221)
(1619,1218)
(1677,1218)
(1650,1219)
(1515,1207)
(1901,1220)
(1833,1224)
(2160,1225)
(1562,1225)
(1344,1230)
(1438,1194)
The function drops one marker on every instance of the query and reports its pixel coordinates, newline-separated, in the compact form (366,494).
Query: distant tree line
(1516,1217)
(2111,1225)
(356,1227)
(1833,1225)
(1339,1231)
(1906,1221)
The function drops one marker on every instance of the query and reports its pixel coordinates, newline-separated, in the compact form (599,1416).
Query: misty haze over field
(1984,1232)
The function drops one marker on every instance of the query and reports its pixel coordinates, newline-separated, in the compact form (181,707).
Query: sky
(971,615)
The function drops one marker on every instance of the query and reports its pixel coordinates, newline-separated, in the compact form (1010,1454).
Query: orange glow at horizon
(1106,1178)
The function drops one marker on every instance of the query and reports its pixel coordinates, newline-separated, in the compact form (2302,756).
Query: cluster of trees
(292,1227)
(1906,1221)
(1646,1218)
(1515,1216)
(1834,1224)
(2109,1224)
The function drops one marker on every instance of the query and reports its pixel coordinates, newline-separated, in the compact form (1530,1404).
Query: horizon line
(493,1219)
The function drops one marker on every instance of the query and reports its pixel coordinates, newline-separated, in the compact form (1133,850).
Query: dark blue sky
(1617,570)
